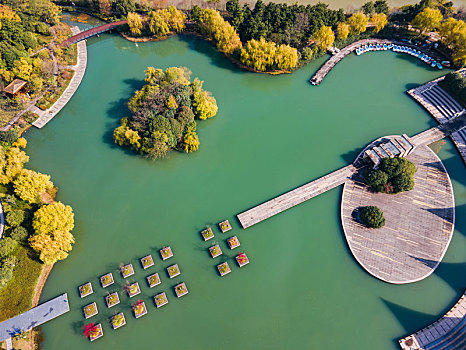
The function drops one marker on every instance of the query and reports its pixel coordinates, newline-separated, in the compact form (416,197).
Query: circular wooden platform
(419,223)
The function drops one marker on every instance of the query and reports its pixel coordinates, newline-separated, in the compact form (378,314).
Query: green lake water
(302,288)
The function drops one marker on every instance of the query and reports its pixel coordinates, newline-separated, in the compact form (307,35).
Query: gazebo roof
(15,86)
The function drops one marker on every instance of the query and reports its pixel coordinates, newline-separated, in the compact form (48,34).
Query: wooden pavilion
(15,86)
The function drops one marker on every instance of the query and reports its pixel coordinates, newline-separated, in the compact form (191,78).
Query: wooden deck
(449,332)
(79,70)
(419,223)
(295,197)
(34,317)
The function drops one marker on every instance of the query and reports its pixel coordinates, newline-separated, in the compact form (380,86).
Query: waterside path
(449,332)
(79,70)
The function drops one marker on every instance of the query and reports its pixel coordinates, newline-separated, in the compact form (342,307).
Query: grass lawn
(16,297)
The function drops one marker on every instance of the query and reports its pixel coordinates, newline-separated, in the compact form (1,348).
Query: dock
(295,197)
(449,332)
(34,317)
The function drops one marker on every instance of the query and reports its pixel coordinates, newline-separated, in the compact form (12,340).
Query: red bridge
(91,32)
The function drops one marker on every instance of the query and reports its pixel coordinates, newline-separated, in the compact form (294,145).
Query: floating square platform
(90,310)
(225,226)
(127,270)
(233,242)
(106,280)
(166,253)
(133,289)
(215,251)
(153,280)
(173,271)
(160,299)
(223,269)
(118,320)
(207,234)
(112,299)
(98,334)
(139,309)
(242,259)
(147,261)
(85,289)
(181,289)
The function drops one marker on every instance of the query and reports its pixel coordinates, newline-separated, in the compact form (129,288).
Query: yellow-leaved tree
(258,54)
(428,20)
(343,30)
(379,21)
(52,238)
(8,13)
(324,38)
(286,57)
(162,22)
(30,185)
(134,23)
(11,163)
(453,32)
(358,23)
(191,142)
(204,104)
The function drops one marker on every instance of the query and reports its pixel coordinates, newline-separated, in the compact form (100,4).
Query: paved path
(442,107)
(295,197)
(449,332)
(34,317)
(80,69)
(332,61)
(419,223)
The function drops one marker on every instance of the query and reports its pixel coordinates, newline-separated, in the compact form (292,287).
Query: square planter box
(98,334)
(233,242)
(207,234)
(153,280)
(166,253)
(106,280)
(127,270)
(139,309)
(90,310)
(85,289)
(147,261)
(223,269)
(242,259)
(181,289)
(160,299)
(224,226)
(112,299)
(118,320)
(133,289)
(173,271)
(215,251)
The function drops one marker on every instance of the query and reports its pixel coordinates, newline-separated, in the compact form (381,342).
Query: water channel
(302,288)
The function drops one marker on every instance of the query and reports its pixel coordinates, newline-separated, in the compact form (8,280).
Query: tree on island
(164,113)
(394,175)
(372,217)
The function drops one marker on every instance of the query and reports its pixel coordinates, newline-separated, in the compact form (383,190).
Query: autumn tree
(286,57)
(52,225)
(11,163)
(324,38)
(453,32)
(162,22)
(191,142)
(105,7)
(379,20)
(358,23)
(258,54)
(428,20)
(343,30)
(204,104)
(29,185)
(134,23)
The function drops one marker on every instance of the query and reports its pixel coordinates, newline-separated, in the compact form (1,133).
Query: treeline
(164,114)
(455,84)
(33,219)
(158,22)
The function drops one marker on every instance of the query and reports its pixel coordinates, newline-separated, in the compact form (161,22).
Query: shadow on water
(452,163)
(454,274)
(410,86)
(460,219)
(350,156)
(411,320)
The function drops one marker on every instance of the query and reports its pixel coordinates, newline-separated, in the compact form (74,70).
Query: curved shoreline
(375,257)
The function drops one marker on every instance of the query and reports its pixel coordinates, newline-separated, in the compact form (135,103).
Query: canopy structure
(15,86)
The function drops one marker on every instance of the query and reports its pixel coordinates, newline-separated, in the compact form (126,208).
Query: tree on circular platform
(372,217)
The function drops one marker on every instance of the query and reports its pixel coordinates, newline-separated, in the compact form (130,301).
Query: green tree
(381,6)
(19,234)
(29,185)
(324,38)
(428,20)
(7,245)
(343,30)
(358,23)
(402,182)
(15,217)
(6,270)
(9,136)
(235,12)
(368,8)
(372,217)
(391,166)
(376,179)
(123,7)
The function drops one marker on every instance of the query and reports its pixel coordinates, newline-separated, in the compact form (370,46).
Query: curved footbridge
(449,332)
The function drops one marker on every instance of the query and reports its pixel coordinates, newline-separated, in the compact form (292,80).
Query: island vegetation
(372,217)
(394,175)
(37,228)
(455,84)
(164,114)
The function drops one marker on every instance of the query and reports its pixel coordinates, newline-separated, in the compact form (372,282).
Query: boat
(385,47)
(446,63)
(433,64)
(390,46)
(358,52)
(439,66)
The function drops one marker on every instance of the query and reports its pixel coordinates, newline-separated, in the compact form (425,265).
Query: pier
(312,189)
(449,332)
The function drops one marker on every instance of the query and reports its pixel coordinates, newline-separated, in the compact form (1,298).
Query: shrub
(394,175)
(7,245)
(402,182)
(391,166)
(376,179)
(6,271)
(372,217)
(15,217)
(19,234)
(9,136)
